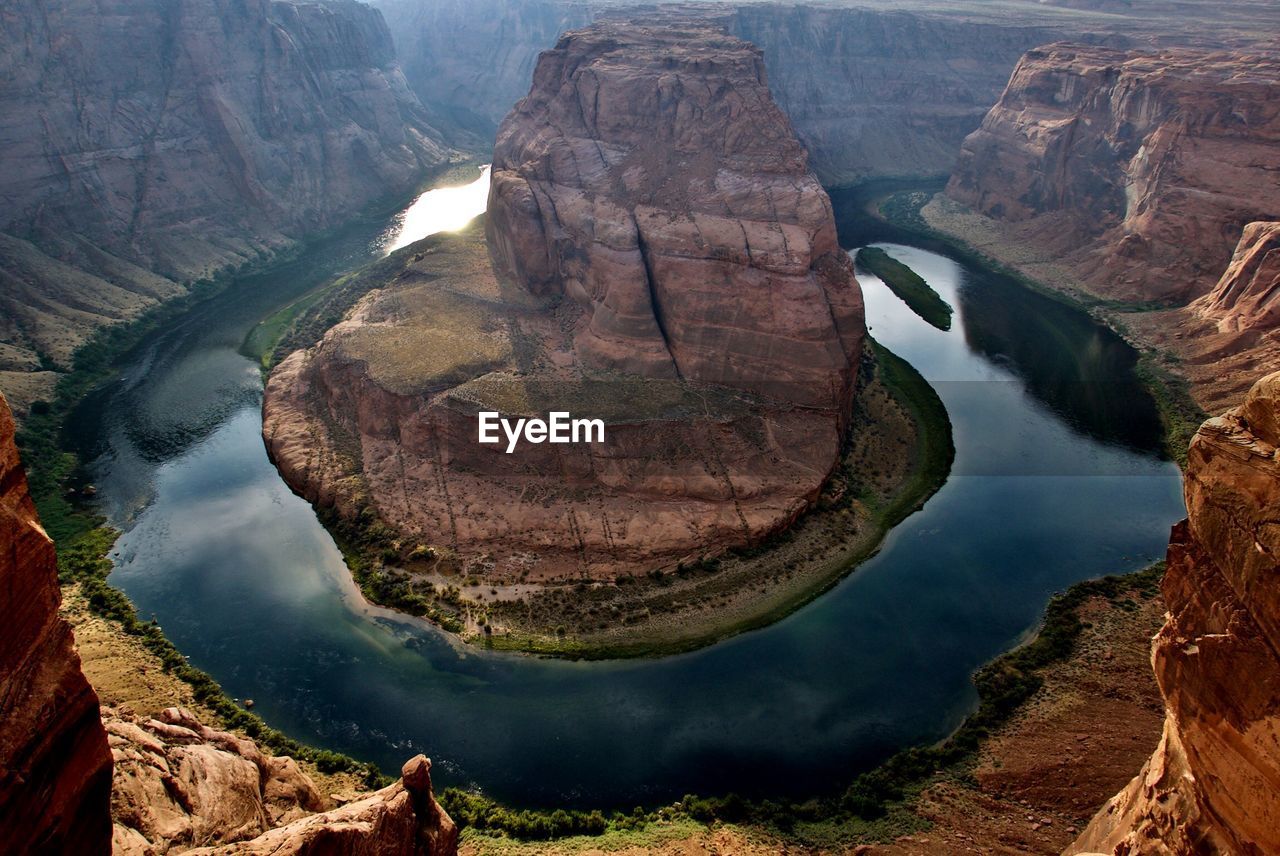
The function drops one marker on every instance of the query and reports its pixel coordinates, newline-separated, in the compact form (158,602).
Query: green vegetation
(877,805)
(1179,412)
(84,561)
(936,452)
(908,285)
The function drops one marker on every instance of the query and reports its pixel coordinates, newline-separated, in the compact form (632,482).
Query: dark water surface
(1055,481)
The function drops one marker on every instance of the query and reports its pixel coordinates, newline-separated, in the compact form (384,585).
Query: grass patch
(908,285)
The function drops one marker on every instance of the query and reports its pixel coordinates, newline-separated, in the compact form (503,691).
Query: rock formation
(181,785)
(1247,297)
(1139,170)
(1213,785)
(150,143)
(665,262)
(55,769)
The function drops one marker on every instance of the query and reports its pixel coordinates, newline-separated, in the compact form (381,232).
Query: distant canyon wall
(148,143)
(1138,169)
(1213,784)
(870,93)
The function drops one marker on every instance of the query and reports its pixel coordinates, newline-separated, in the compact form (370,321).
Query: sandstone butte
(658,256)
(1213,784)
(76,779)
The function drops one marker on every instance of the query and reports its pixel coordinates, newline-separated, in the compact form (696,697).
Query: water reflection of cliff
(1081,370)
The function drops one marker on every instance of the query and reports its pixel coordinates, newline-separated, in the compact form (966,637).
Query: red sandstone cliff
(650,177)
(662,259)
(55,770)
(1247,297)
(1213,785)
(1139,170)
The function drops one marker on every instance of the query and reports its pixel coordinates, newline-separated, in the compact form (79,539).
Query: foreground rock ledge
(1213,785)
(662,259)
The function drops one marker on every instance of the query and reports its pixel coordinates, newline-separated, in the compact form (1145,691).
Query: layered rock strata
(151,143)
(1247,297)
(663,260)
(1213,785)
(55,769)
(1136,169)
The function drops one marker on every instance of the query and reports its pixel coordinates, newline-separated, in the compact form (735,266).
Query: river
(1055,481)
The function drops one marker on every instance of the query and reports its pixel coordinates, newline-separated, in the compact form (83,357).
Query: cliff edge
(1213,784)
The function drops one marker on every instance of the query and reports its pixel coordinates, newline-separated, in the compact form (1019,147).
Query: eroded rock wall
(1213,785)
(148,143)
(1137,169)
(55,769)
(650,177)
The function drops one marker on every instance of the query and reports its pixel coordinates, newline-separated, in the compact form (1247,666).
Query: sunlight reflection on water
(443,209)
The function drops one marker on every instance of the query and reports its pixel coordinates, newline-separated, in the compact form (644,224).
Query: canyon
(1131,179)
(654,182)
(656,255)
(77,778)
(152,145)
(1138,169)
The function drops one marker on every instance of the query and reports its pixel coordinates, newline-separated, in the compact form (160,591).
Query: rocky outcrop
(55,769)
(1139,170)
(663,260)
(150,143)
(181,785)
(1213,785)
(401,820)
(1247,297)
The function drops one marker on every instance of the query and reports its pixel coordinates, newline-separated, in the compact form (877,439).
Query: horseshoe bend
(658,257)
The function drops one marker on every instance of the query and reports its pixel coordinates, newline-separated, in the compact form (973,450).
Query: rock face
(1138,169)
(650,178)
(876,92)
(1213,785)
(149,143)
(663,260)
(401,820)
(180,784)
(55,769)
(1247,297)
(869,92)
